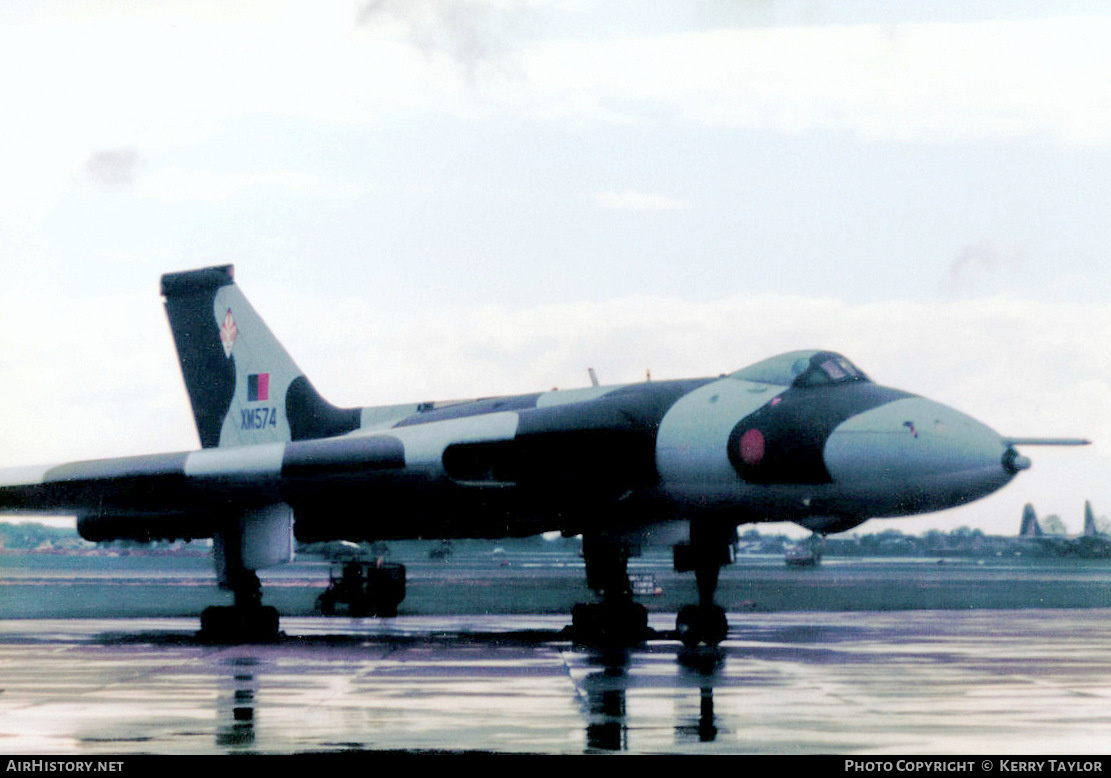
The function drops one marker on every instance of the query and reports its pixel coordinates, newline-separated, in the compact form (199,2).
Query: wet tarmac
(1005,682)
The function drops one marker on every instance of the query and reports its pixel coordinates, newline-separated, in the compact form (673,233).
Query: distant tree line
(889,542)
(30,536)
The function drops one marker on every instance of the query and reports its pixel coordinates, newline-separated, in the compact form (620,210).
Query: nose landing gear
(620,621)
(708,551)
(701,624)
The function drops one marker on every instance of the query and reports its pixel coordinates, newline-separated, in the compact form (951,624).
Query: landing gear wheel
(686,624)
(610,623)
(240,624)
(715,626)
(701,624)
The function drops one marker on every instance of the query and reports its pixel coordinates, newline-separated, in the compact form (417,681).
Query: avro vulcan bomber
(804,437)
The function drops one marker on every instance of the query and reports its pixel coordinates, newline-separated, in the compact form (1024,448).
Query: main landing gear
(617,620)
(247,621)
(243,544)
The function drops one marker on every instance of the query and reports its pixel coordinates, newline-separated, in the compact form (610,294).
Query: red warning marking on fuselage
(752,447)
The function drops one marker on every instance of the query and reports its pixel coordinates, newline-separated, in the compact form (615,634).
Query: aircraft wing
(166,489)
(85,487)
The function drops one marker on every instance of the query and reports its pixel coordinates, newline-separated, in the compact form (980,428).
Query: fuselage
(781,440)
(803,437)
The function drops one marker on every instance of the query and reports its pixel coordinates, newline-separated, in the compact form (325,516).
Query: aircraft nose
(1013,461)
(918,441)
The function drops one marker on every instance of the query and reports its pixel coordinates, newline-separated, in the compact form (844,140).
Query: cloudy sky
(430,200)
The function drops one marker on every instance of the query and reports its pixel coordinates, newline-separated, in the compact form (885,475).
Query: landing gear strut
(242,544)
(617,620)
(710,548)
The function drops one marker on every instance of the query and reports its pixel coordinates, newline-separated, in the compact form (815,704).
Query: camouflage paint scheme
(803,437)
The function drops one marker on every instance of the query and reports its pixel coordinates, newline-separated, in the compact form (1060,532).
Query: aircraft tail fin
(1089,521)
(1030,527)
(243,385)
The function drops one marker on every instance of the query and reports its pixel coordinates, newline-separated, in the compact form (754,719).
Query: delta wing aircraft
(804,437)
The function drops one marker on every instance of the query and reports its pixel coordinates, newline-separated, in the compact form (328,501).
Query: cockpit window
(802,368)
(781,370)
(829,368)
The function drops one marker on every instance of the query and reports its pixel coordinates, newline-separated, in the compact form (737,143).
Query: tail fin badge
(228,333)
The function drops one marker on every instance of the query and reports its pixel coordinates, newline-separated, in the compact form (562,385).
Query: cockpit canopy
(802,369)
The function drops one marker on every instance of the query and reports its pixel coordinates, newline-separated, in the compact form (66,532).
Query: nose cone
(941,456)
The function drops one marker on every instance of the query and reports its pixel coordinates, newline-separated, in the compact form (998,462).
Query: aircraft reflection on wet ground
(927,682)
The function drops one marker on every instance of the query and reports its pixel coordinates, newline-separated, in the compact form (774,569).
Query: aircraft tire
(715,626)
(610,623)
(687,625)
(696,624)
(231,624)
